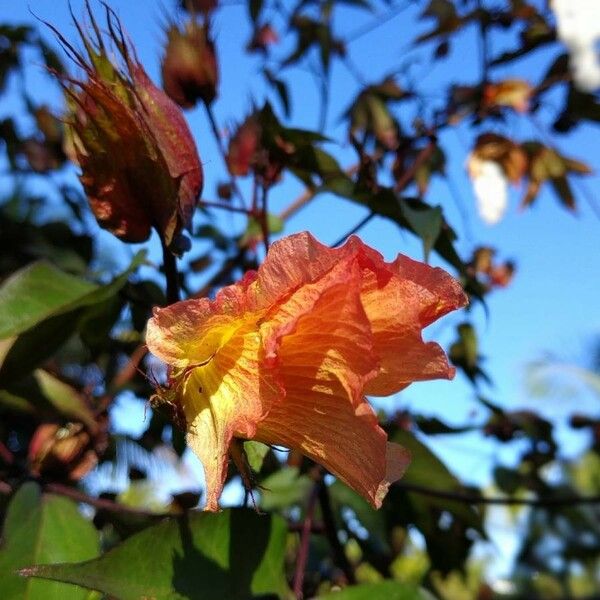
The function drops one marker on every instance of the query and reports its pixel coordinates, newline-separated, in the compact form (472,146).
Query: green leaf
(372,520)
(48,328)
(386,590)
(35,293)
(64,398)
(40,291)
(284,488)
(274,224)
(255,454)
(43,528)
(427,470)
(427,224)
(387,204)
(235,554)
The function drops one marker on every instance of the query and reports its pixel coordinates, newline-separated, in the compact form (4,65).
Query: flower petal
(190,332)
(223,399)
(399,307)
(324,364)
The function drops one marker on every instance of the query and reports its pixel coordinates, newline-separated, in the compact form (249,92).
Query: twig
(171,274)
(222,151)
(305,538)
(467,498)
(357,227)
(228,207)
(307,195)
(375,23)
(402,182)
(101,503)
(423,156)
(339,556)
(484,50)
(263,217)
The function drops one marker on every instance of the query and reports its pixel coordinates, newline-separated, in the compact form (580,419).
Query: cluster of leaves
(72,340)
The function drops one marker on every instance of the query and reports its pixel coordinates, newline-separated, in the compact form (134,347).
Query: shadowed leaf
(235,554)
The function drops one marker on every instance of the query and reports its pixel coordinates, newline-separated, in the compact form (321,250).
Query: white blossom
(578,27)
(491,188)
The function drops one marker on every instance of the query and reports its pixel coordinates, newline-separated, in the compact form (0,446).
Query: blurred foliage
(72,328)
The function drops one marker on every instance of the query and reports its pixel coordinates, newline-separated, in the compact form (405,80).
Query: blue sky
(552,304)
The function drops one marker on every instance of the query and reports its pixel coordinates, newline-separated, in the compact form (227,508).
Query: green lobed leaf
(46,327)
(385,590)
(284,488)
(427,224)
(427,470)
(66,399)
(234,554)
(40,291)
(35,293)
(43,528)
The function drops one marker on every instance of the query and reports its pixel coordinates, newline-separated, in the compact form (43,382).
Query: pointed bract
(140,167)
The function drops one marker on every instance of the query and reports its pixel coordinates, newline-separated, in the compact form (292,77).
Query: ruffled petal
(226,398)
(190,332)
(400,299)
(323,366)
(292,262)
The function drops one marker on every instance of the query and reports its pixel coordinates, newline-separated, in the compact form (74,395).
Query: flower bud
(63,452)
(243,147)
(189,66)
(140,167)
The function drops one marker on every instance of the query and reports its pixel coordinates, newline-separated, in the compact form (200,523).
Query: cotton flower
(578,27)
(287,355)
(490,186)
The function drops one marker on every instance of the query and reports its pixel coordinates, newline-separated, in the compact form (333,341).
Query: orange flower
(515,93)
(286,356)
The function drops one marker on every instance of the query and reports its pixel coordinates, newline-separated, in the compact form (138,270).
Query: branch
(228,207)
(223,152)
(468,498)
(339,556)
(171,274)
(78,496)
(423,156)
(402,182)
(305,537)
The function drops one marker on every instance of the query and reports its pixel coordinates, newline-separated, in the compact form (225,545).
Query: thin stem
(228,207)
(305,538)
(408,175)
(264,217)
(358,226)
(339,556)
(222,151)
(483,40)
(171,274)
(376,22)
(467,498)
(306,196)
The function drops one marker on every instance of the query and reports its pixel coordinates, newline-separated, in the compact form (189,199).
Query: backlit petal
(324,365)
(190,332)
(399,307)
(223,399)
